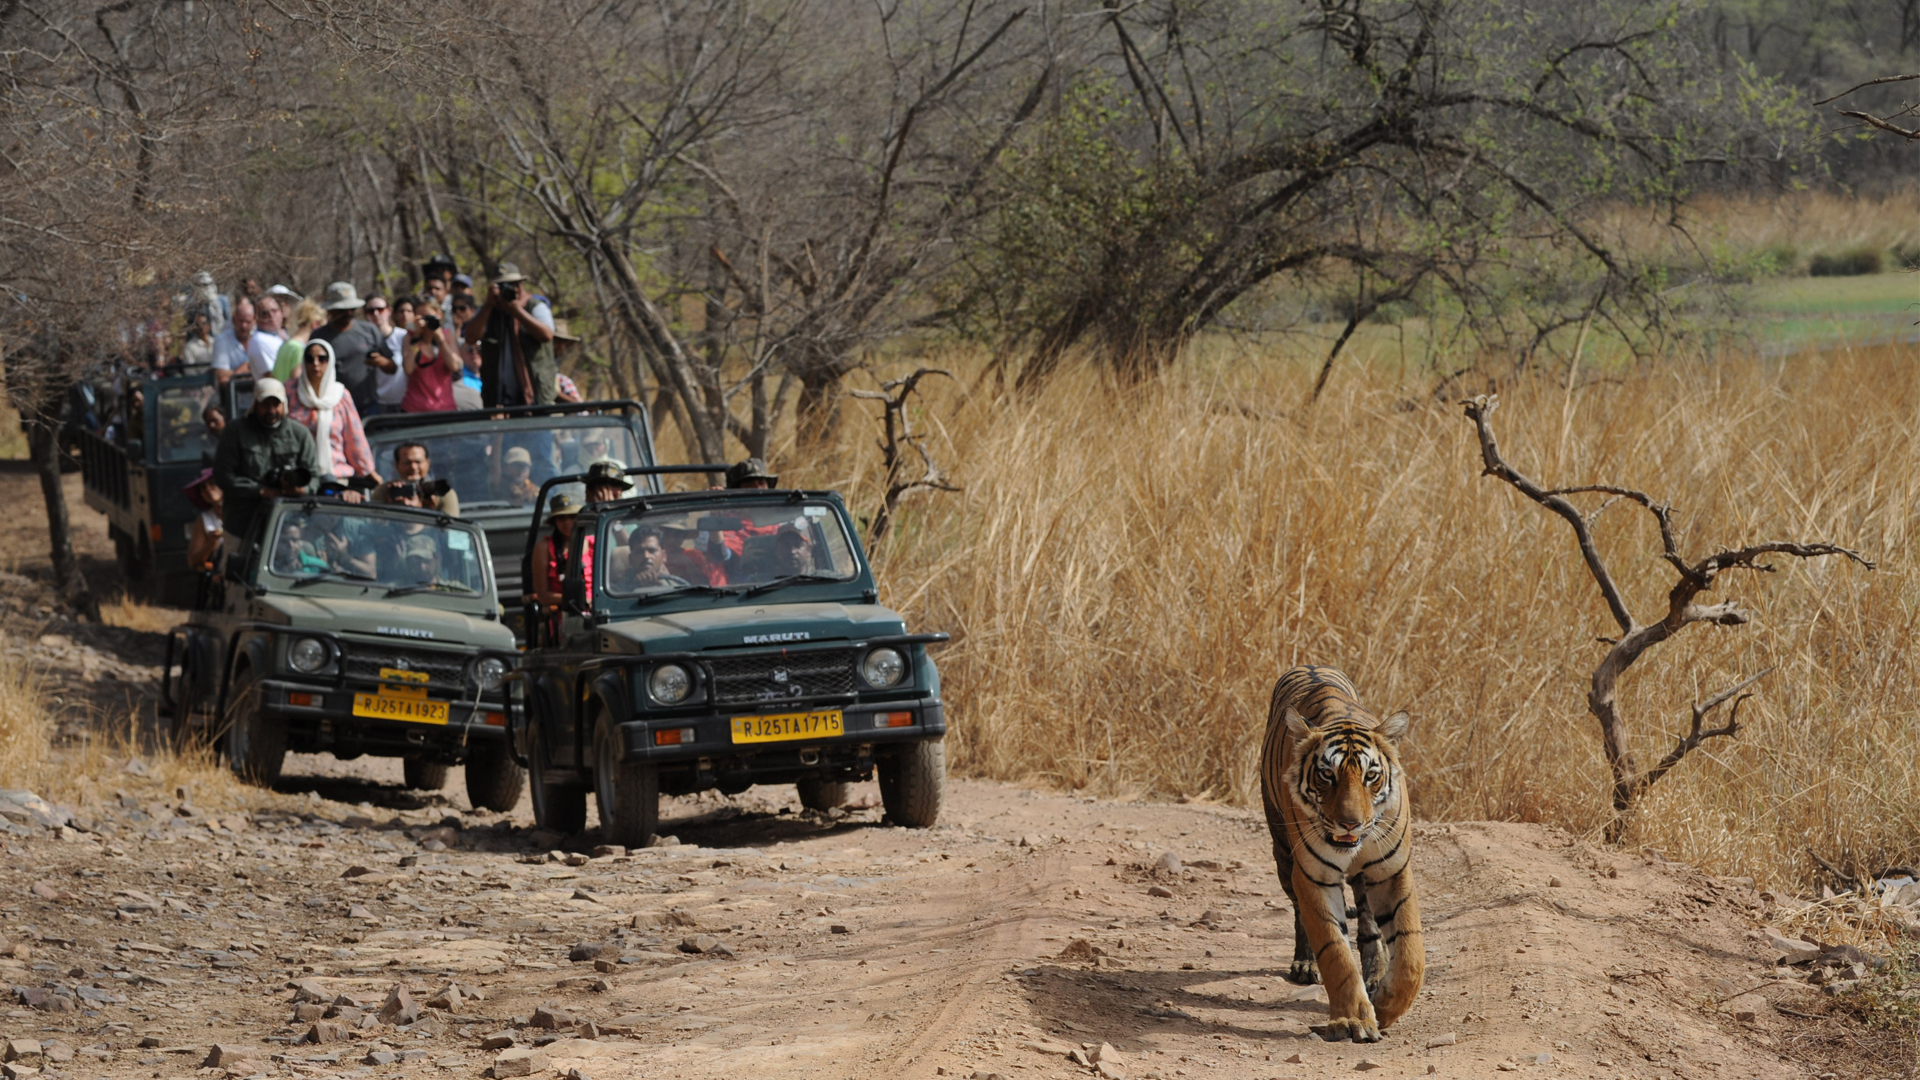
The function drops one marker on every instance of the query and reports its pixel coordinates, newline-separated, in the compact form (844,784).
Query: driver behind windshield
(420,562)
(646,563)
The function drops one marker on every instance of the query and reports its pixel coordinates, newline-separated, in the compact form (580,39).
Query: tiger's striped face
(1347,776)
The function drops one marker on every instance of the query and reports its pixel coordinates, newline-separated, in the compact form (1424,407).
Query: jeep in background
(134,471)
(730,638)
(351,629)
(469,450)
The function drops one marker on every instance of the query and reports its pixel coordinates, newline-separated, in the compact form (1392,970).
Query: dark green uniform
(250,451)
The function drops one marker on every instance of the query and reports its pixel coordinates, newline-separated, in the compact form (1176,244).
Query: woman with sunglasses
(323,405)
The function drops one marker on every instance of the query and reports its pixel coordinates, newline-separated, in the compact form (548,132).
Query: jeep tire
(628,793)
(821,793)
(256,747)
(494,782)
(913,783)
(424,775)
(557,805)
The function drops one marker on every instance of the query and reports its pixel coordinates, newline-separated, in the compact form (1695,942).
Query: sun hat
(270,388)
(609,471)
(561,506)
(520,455)
(285,293)
(509,273)
(751,469)
(563,332)
(340,296)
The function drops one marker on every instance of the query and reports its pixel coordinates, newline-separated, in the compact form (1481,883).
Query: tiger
(1336,803)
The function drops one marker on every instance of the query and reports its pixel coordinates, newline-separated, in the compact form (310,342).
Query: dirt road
(155,939)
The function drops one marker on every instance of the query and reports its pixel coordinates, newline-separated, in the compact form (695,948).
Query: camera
(433,322)
(509,291)
(288,477)
(332,486)
(408,489)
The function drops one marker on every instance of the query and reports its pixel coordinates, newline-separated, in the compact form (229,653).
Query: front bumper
(862,724)
(319,717)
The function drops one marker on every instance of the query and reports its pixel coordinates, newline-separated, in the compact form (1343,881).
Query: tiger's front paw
(1359,1029)
(1303,973)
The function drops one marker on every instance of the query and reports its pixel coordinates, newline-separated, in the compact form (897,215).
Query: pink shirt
(351,454)
(429,385)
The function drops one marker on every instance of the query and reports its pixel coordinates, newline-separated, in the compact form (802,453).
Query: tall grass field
(1127,571)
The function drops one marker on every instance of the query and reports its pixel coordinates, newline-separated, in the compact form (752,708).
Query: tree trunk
(817,414)
(43,447)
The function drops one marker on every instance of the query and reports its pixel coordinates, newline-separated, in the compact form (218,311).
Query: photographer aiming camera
(410,486)
(261,456)
(514,335)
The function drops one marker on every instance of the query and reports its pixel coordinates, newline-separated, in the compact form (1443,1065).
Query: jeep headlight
(883,667)
(307,655)
(488,673)
(669,684)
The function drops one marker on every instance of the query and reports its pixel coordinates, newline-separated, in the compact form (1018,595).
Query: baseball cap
(519,455)
(608,471)
(421,546)
(269,388)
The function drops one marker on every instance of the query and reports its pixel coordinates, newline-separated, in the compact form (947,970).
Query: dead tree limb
(897,436)
(1886,122)
(1636,637)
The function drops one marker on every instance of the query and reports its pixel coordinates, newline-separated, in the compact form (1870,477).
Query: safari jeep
(351,629)
(727,639)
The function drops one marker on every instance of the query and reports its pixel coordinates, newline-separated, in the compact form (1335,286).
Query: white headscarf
(321,402)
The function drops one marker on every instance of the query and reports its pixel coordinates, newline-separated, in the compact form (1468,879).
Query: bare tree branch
(897,434)
(1636,637)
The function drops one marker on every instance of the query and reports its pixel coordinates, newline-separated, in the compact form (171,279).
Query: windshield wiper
(407,590)
(790,579)
(331,575)
(682,590)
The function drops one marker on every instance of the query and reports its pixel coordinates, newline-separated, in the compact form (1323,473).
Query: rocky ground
(345,927)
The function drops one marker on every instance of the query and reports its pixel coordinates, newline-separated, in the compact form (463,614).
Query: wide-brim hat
(609,471)
(340,296)
(509,273)
(284,293)
(563,332)
(751,469)
(561,506)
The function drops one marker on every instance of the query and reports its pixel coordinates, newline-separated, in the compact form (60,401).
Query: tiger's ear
(1296,724)
(1396,725)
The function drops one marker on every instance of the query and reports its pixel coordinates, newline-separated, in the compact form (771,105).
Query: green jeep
(724,639)
(350,629)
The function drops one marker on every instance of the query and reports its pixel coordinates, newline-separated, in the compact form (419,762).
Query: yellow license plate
(387,707)
(814,725)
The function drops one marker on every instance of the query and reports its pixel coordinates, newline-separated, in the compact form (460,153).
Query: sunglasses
(318,360)
(376,310)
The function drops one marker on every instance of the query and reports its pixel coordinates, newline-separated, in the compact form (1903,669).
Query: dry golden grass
(133,613)
(86,772)
(1802,223)
(1128,571)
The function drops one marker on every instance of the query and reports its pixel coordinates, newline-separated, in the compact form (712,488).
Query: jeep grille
(444,670)
(768,677)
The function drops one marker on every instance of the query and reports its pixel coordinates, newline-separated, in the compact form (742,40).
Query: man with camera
(262,456)
(410,486)
(513,333)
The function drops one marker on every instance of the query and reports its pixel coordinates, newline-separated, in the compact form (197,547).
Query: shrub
(1849,263)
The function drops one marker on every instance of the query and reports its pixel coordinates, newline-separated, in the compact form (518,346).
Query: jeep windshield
(496,470)
(377,550)
(733,548)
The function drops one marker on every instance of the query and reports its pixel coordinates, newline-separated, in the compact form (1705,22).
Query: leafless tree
(116,122)
(1630,781)
(896,437)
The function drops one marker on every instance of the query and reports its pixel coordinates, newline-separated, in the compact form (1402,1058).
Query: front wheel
(557,805)
(913,783)
(628,792)
(256,746)
(424,775)
(493,780)
(819,793)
